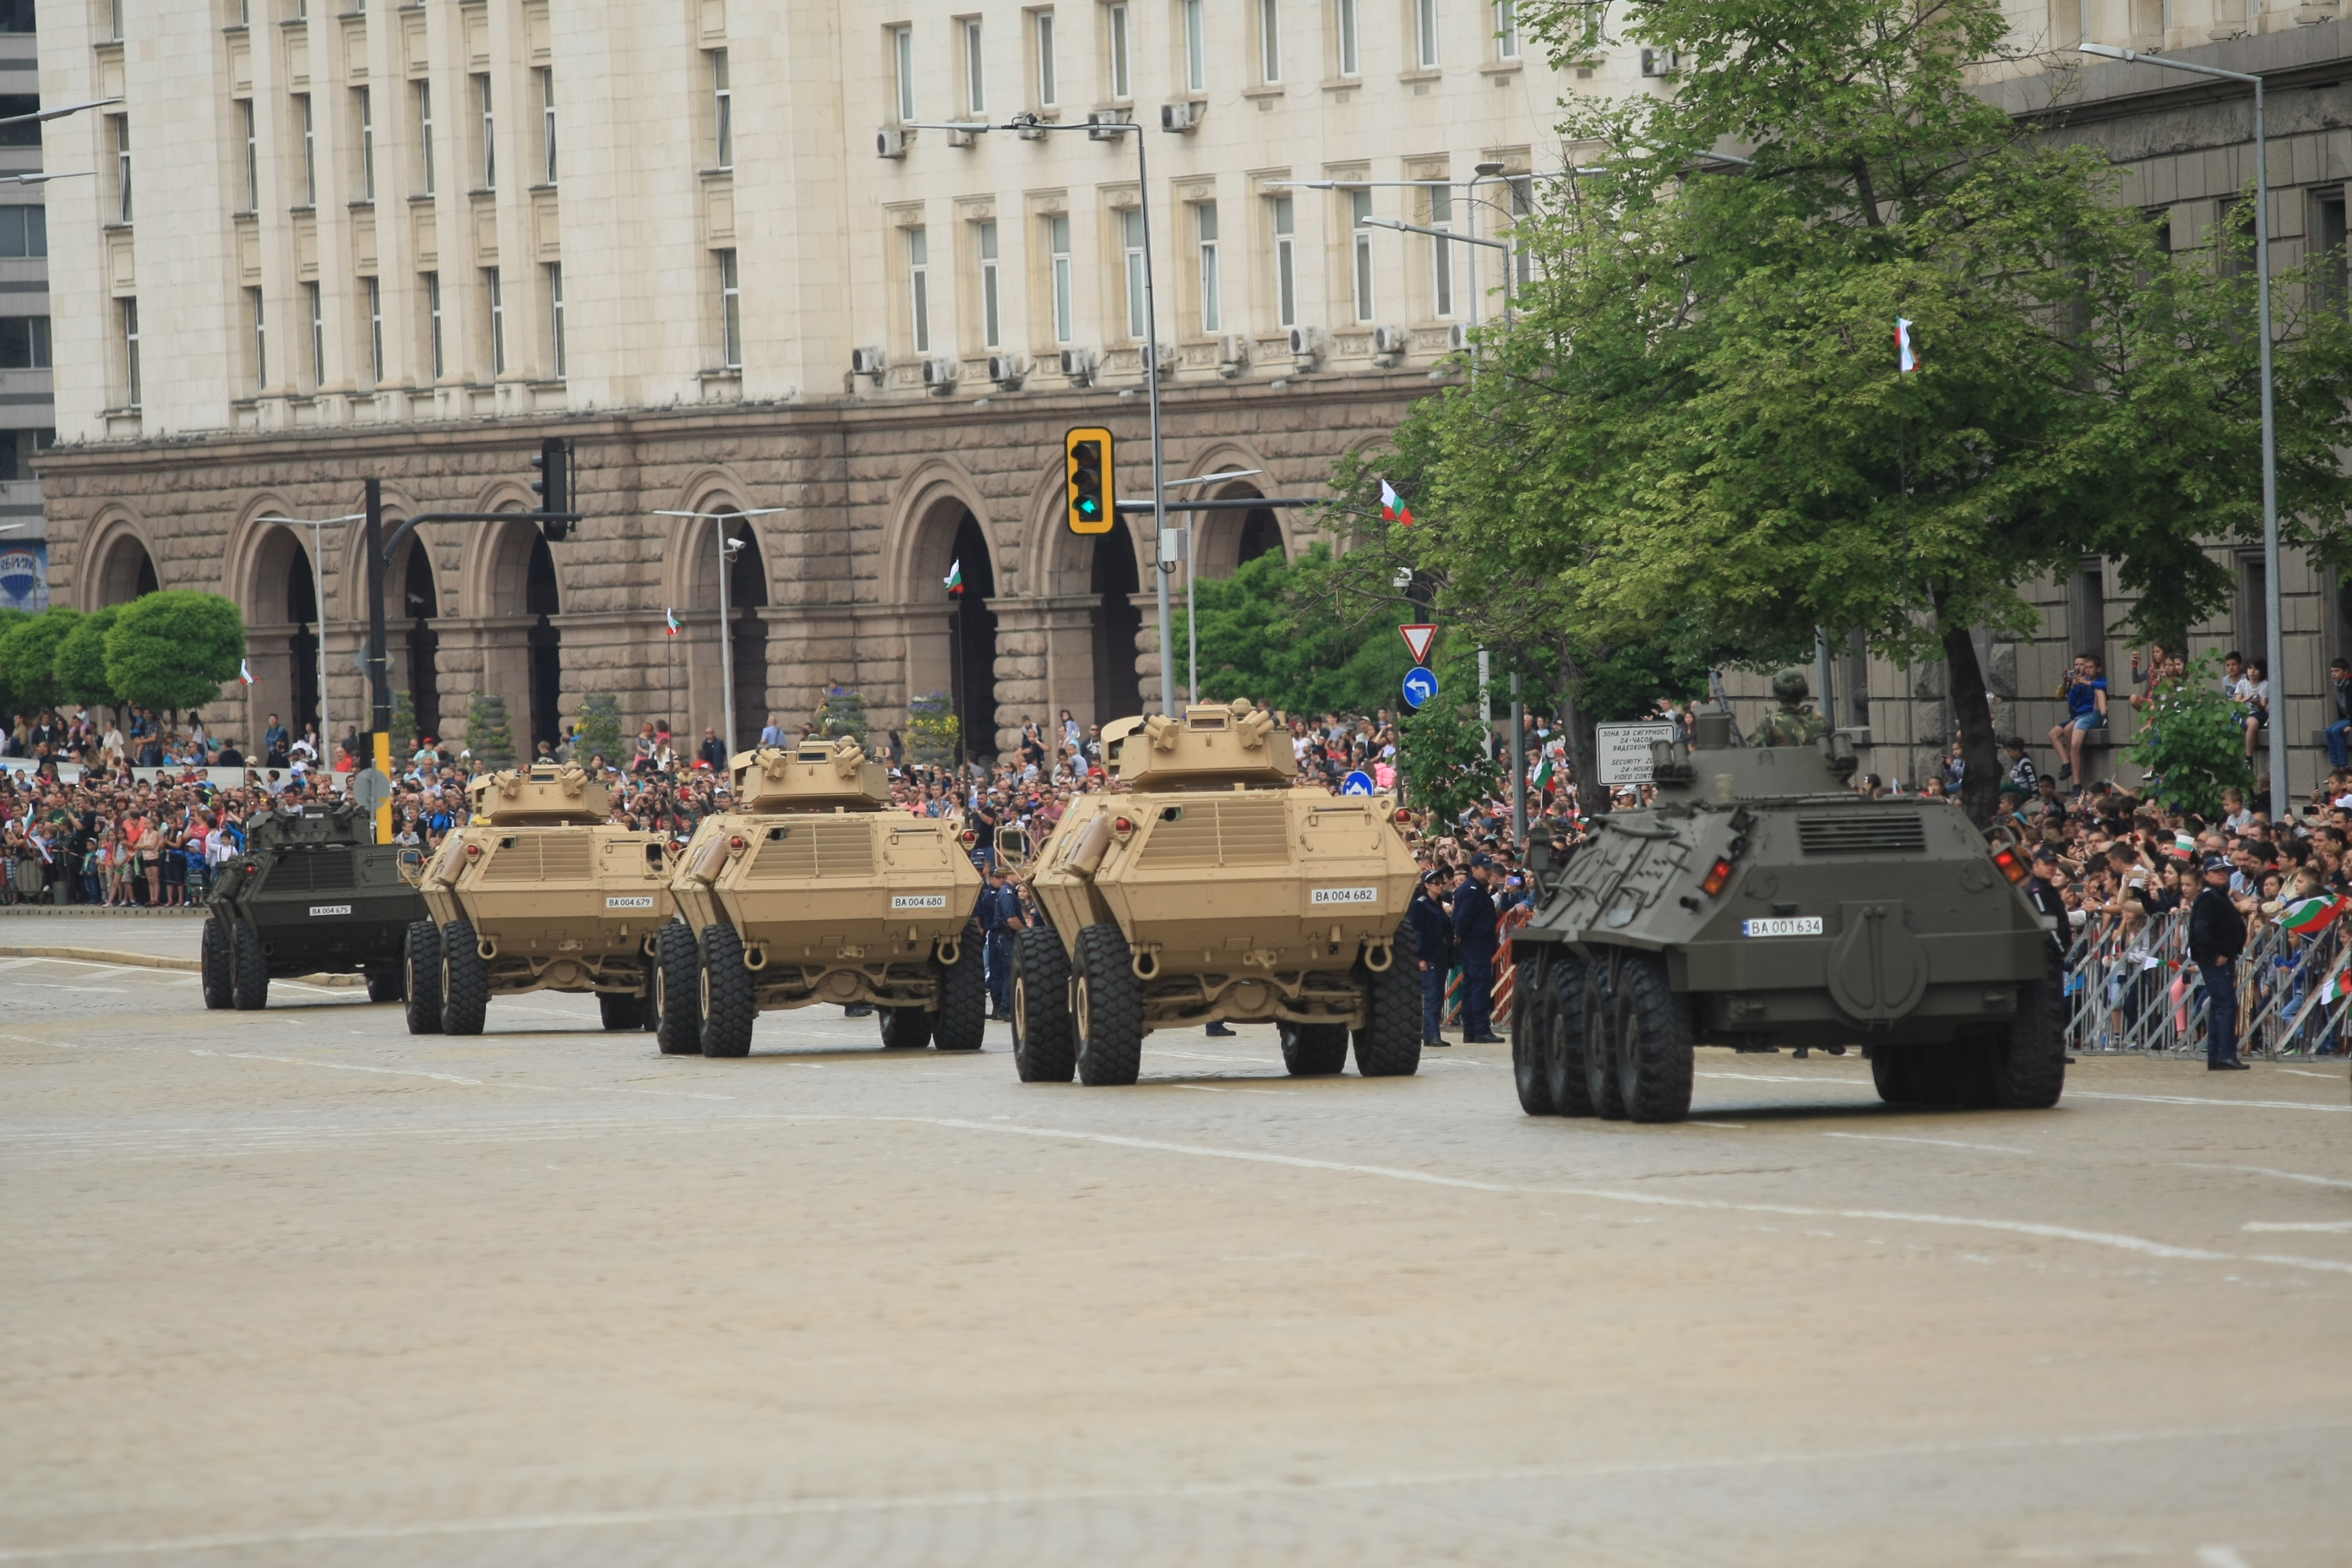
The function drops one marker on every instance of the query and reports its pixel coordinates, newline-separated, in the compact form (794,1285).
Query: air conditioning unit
(1307,346)
(891,142)
(940,375)
(1457,337)
(1079,364)
(1233,355)
(1165,359)
(966,138)
(1182,118)
(867,362)
(1098,120)
(1389,340)
(1659,62)
(1008,371)
(1028,130)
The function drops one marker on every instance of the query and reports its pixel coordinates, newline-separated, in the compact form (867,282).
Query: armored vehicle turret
(1761,903)
(537,892)
(313,893)
(813,889)
(1207,888)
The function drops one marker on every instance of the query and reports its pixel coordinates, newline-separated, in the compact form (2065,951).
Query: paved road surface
(299,1289)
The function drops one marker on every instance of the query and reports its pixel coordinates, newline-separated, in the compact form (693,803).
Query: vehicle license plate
(1797,925)
(918,901)
(1345,896)
(317,910)
(640,902)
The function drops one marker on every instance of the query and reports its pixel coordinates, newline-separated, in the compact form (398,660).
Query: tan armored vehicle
(1205,888)
(813,890)
(538,892)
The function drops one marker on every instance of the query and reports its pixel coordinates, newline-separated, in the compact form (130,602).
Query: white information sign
(1624,750)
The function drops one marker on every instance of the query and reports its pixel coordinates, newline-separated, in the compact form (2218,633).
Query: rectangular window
(1360,207)
(115,19)
(497,322)
(902,54)
(722,103)
(1131,220)
(318,334)
(425,135)
(1350,38)
(1120,87)
(1425,17)
(1269,39)
(918,283)
(1285,264)
(25,132)
(490,133)
(1049,92)
(1441,255)
(121,125)
(1212,312)
(546,75)
(991,320)
(2328,243)
(1196,46)
(367,143)
(252,158)
(433,323)
(1506,29)
(376,330)
(555,314)
(310,149)
(24,343)
(253,304)
(23,231)
(731,312)
(975,76)
(1057,245)
(129,320)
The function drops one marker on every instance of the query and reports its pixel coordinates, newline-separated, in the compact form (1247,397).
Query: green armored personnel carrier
(1761,903)
(313,893)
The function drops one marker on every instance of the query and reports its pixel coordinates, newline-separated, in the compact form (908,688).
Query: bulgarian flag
(1539,777)
(671,616)
(2184,846)
(2338,986)
(1392,507)
(244,671)
(2309,917)
(1904,355)
(954,579)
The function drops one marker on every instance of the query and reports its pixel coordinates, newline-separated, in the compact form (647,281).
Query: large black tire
(1653,1036)
(904,1028)
(1895,1069)
(1389,1044)
(678,991)
(214,959)
(621,1009)
(421,952)
(248,969)
(1530,1026)
(1110,1022)
(1313,1050)
(728,1005)
(2029,1067)
(465,980)
(963,1021)
(1563,1042)
(1044,1050)
(385,985)
(1597,1046)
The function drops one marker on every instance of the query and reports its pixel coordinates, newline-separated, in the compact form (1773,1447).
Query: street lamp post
(319,592)
(2274,650)
(1192,570)
(728,549)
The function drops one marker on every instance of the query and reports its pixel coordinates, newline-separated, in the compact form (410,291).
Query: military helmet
(1790,686)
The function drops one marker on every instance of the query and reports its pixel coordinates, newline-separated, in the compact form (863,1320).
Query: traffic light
(1091,494)
(553,486)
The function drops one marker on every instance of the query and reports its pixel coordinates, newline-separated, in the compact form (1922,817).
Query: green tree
(2193,741)
(1442,756)
(173,649)
(404,731)
(9,621)
(29,656)
(80,663)
(599,732)
(488,733)
(1269,633)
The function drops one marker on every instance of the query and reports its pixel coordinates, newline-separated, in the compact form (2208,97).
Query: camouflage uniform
(1792,725)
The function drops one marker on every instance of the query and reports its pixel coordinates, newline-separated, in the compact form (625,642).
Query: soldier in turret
(1794,722)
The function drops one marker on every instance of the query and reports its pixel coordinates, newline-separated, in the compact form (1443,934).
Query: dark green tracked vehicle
(313,893)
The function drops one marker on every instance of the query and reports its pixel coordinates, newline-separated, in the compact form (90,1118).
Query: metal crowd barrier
(1506,974)
(2140,992)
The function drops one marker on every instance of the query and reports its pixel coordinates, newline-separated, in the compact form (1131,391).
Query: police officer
(1793,722)
(2217,935)
(1432,931)
(1476,938)
(1000,917)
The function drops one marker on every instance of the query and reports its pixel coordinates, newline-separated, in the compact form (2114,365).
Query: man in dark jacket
(1433,932)
(2217,934)
(1476,938)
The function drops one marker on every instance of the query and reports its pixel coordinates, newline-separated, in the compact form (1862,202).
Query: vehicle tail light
(1718,876)
(736,843)
(969,837)
(2013,865)
(1403,815)
(1123,825)
(473,851)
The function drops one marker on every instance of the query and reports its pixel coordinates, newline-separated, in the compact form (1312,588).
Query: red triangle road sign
(1419,638)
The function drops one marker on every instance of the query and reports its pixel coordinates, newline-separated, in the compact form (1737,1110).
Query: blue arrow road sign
(1420,686)
(1357,783)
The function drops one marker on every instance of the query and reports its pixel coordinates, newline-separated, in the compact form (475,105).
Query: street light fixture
(728,549)
(2275,649)
(45,179)
(318,592)
(59,113)
(1485,171)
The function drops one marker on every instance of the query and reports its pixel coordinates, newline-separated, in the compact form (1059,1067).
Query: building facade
(26,421)
(732,253)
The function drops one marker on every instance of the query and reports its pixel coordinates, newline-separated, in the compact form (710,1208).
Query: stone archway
(516,652)
(972,643)
(747,636)
(418,605)
(121,570)
(1117,623)
(1231,540)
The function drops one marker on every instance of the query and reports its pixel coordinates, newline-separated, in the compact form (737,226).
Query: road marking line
(343,1067)
(1259,1486)
(2266,1171)
(2332,1224)
(2301,1072)
(1788,1077)
(1939,1143)
(2209,1099)
(2219,1557)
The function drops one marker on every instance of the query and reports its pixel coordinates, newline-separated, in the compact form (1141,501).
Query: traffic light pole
(1160,564)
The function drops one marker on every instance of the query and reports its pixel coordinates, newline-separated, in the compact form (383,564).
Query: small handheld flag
(1392,507)
(954,579)
(2308,917)
(244,671)
(1903,351)
(671,616)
